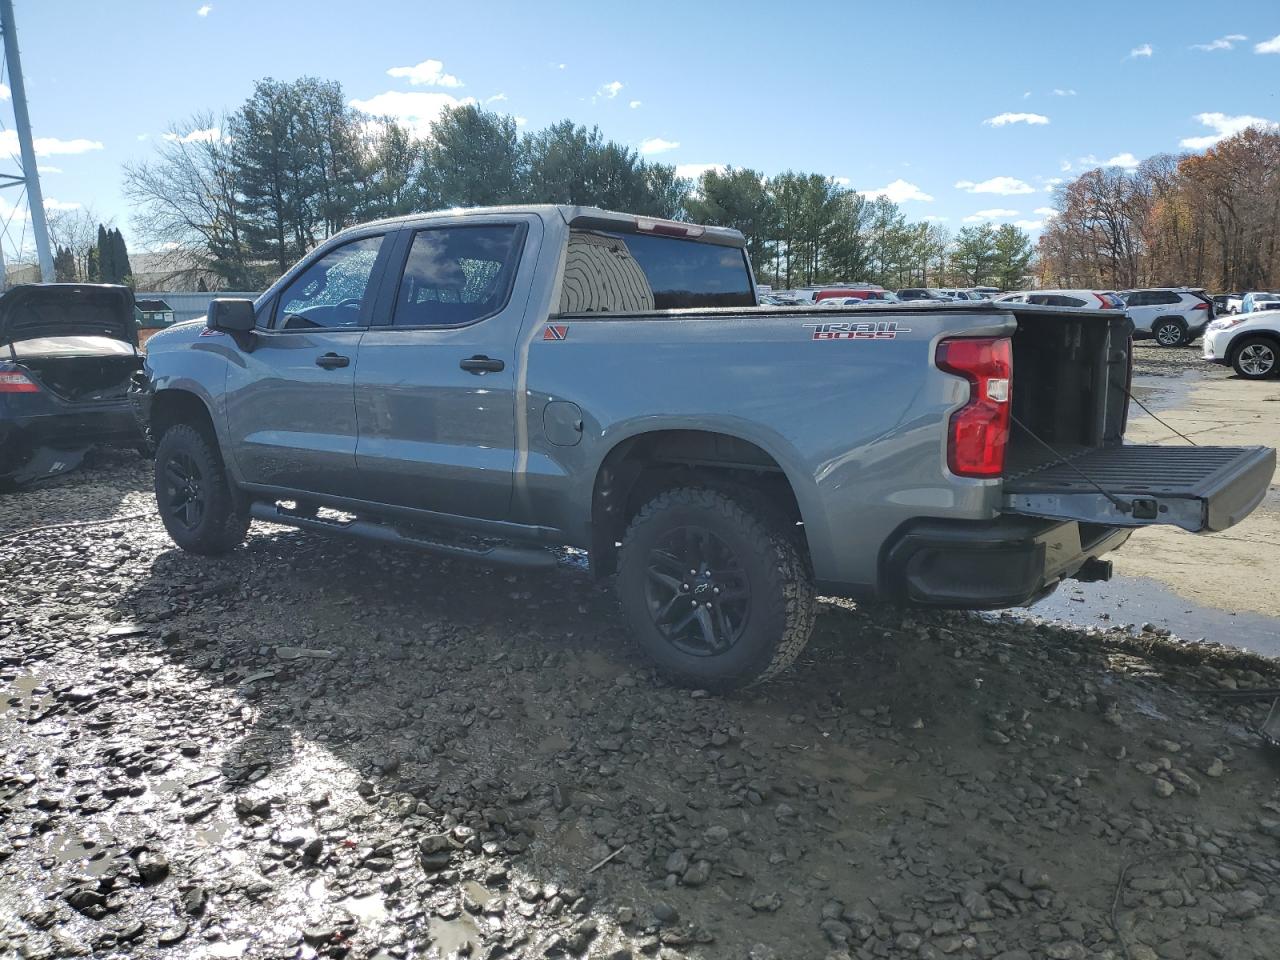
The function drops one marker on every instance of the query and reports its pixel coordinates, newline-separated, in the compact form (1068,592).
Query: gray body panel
(858,426)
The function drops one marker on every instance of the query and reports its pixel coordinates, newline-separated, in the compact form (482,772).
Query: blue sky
(979,107)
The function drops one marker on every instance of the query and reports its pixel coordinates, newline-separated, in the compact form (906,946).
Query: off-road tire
(1162,331)
(781,607)
(224,519)
(1250,358)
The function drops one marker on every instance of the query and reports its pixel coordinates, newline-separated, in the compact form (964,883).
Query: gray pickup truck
(495,383)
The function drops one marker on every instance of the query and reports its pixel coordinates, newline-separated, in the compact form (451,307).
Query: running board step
(505,554)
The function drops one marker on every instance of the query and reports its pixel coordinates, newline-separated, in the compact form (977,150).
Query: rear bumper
(1008,562)
(51,423)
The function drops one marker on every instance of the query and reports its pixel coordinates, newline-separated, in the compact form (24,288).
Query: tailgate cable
(1174,429)
(1119,504)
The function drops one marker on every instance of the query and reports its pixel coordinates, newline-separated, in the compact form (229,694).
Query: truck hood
(36,311)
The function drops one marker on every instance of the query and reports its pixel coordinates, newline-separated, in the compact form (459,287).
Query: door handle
(481,364)
(331,361)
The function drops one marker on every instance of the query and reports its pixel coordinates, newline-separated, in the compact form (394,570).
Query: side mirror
(230,315)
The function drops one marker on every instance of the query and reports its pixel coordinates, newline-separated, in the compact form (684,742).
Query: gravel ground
(315,748)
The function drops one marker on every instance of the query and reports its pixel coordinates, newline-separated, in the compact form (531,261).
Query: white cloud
(658,145)
(634,104)
(694,171)
(1026,94)
(47,146)
(1063,92)
(1268,46)
(5,93)
(1045,211)
(195,136)
(428,73)
(1004,119)
(1222,43)
(1144,50)
(43,169)
(841,181)
(1126,160)
(520,121)
(415,111)
(898,191)
(1051,182)
(496,98)
(204,11)
(1224,126)
(935,218)
(992,214)
(607,91)
(1029,224)
(1004,186)
(52,204)
(560,66)
(1065,166)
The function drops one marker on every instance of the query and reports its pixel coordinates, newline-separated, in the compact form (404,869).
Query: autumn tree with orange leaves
(1204,220)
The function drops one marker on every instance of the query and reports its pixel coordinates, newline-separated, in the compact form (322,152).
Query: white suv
(1170,316)
(1250,342)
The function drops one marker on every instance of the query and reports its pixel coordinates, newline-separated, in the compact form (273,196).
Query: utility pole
(30,174)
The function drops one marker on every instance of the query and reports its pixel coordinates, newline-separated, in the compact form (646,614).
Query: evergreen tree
(64,266)
(974,255)
(120,258)
(473,159)
(1013,253)
(106,257)
(92,270)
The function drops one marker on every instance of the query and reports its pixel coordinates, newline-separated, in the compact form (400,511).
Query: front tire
(717,594)
(1169,332)
(1255,358)
(200,507)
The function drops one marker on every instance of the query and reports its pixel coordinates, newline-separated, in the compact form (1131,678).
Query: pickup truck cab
(492,383)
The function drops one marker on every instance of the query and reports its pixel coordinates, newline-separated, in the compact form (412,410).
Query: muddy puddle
(1126,601)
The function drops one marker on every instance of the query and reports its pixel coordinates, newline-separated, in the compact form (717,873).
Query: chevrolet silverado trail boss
(492,383)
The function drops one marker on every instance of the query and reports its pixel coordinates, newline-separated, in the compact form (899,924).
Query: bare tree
(186,199)
(75,230)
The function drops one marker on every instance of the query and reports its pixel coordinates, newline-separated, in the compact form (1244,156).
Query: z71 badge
(866,330)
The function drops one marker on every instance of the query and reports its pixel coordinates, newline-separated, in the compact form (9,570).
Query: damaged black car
(68,353)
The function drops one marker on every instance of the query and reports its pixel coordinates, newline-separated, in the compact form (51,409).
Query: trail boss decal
(866,330)
(555,331)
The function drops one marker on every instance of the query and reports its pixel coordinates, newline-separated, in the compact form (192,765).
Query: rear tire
(1169,332)
(200,507)
(1255,358)
(718,594)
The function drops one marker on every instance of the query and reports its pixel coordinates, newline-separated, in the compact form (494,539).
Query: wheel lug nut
(715,589)
(684,586)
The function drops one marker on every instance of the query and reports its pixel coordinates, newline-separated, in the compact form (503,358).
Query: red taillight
(1201,306)
(979,433)
(15,381)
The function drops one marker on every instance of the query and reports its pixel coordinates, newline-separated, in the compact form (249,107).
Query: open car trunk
(78,341)
(1067,458)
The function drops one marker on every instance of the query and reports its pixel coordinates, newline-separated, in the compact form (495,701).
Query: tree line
(246,195)
(1205,220)
(77,259)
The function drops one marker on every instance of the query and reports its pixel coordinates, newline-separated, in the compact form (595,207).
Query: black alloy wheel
(184,500)
(697,592)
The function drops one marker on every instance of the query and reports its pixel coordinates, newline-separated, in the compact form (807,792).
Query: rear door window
(457,275)
(609,272)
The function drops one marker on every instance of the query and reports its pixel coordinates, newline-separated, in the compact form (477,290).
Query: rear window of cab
(608,272)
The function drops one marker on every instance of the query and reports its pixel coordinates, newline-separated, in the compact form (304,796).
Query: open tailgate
(1201,489)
